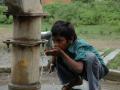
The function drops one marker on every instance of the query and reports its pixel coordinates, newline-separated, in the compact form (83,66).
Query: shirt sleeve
(80,54)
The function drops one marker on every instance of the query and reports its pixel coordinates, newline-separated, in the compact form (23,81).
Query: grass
(107,51)
(8,27)
(107,32)
(45,27)
(115,63)
(99,32)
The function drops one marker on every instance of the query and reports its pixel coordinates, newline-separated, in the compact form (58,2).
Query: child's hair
(64,29)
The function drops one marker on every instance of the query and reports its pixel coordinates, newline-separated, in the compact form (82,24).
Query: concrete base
(105,85)
(113,75)
(24,87)
(49,87)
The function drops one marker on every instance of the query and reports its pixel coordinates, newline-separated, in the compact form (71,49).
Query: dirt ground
(4,34)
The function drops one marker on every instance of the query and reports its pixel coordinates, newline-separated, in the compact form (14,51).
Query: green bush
(79,12)
(115,63)
(3,18)
(82,13)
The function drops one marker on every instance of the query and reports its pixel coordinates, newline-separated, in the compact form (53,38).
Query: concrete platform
(105,85)
(50,87)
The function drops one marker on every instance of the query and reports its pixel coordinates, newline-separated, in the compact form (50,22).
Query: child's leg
(94,71)
(65,74)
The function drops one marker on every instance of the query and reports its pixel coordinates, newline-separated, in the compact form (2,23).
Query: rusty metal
(25,43)
(44,15)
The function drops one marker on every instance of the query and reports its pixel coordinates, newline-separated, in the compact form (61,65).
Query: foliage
(115,63)
(3,18)
(82,13)
(84,1)
(79,12)
(107,32)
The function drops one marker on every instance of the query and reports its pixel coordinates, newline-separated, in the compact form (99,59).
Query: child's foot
(74,82)
(66,87)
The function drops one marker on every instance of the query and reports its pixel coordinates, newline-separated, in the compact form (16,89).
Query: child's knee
(90,57)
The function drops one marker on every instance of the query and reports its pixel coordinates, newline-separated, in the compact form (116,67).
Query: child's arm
(76,66)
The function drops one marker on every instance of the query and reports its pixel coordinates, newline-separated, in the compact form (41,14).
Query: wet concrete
(51,82)
(106,85)
(51,87)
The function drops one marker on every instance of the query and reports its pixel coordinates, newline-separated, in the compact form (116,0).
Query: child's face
(60,42)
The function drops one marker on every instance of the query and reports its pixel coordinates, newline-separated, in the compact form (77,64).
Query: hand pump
(25,43)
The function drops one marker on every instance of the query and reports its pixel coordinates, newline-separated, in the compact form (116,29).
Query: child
(74,58)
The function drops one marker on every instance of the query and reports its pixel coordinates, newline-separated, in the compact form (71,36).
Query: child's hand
(54,52)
